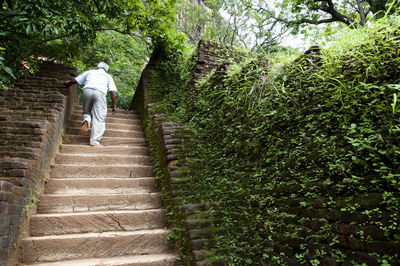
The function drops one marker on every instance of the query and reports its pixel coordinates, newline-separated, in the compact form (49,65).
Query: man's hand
(114,106)
(68,83)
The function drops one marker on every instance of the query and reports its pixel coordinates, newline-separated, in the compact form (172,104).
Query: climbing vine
(301,163)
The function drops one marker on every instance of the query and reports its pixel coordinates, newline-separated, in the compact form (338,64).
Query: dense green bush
(320,135)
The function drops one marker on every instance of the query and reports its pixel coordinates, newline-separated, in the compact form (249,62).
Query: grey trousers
(95,102)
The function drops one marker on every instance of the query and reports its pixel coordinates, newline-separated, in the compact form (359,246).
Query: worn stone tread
(111,119)
(94,171)
(142,260)
(97,186)
(115,126)
(106,141)
(127,149)
(92,245)
(117,115)
(96,222)
(81,203)
(79,108)
(110,132)
(97,159)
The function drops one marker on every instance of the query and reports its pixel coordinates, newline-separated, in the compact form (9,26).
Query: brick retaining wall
(33,116)
(349,229)
(197,239)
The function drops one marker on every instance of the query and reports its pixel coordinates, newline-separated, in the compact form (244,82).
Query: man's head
(103,66)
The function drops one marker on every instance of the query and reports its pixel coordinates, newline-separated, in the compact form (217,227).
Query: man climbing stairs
(100,206)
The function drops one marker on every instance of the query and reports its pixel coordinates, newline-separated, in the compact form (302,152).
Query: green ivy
(287,157)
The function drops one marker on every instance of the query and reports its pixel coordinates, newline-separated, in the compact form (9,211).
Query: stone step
(80,108)
(91,159)
(142,260)
(96,186)
(135,127)
(108,171)
(84,139)
(111,119)
(132,149)
(109,132)
(81,203)
(95,222)
(124,115)
(93,245)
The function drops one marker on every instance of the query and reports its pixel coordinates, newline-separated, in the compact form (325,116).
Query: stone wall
(33,116)
(196,228)
(195,231)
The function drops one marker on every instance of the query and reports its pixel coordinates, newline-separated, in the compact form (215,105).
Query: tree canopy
(297,14)
(231,22)
(30,29)
(257,24)
(60,29)
(126,57)
(349,12)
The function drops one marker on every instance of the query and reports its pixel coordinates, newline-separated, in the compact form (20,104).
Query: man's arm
(114,106)
(70,82)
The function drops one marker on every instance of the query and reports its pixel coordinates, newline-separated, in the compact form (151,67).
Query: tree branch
(54,38)
(132,34)
(336,16)
(313,22)
(328,7)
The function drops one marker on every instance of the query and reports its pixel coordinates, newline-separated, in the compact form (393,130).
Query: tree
(259,23)
(353,13)
(253,23)
(231,22)
(126,57)
(193,19)
(58,29)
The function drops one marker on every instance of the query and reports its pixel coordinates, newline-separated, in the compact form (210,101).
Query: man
(97,83)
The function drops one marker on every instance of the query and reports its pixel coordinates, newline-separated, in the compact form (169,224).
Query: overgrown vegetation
(126,57)
(60,30)
(290,158)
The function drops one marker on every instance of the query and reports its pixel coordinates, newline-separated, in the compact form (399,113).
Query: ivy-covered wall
(33,116)
(304,168)
(295,165)
(194,229)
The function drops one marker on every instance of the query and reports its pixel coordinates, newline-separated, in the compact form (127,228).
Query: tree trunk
(361,11)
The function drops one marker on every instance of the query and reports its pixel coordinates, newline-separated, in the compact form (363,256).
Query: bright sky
(296,42)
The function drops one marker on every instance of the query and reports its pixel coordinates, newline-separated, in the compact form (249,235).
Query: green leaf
(28,29)
(9,72)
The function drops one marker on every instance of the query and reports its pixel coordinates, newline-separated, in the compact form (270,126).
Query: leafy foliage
(193,19)
(252,23)
(287,158)
(59,29)
(235,23)
(258,25)
(126,57)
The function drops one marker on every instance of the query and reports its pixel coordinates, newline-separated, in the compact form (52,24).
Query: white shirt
(97,79)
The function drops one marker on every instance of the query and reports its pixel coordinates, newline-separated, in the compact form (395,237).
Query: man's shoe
(95,144)
(85,127)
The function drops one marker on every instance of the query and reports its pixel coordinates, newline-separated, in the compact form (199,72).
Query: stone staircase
(100,206)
